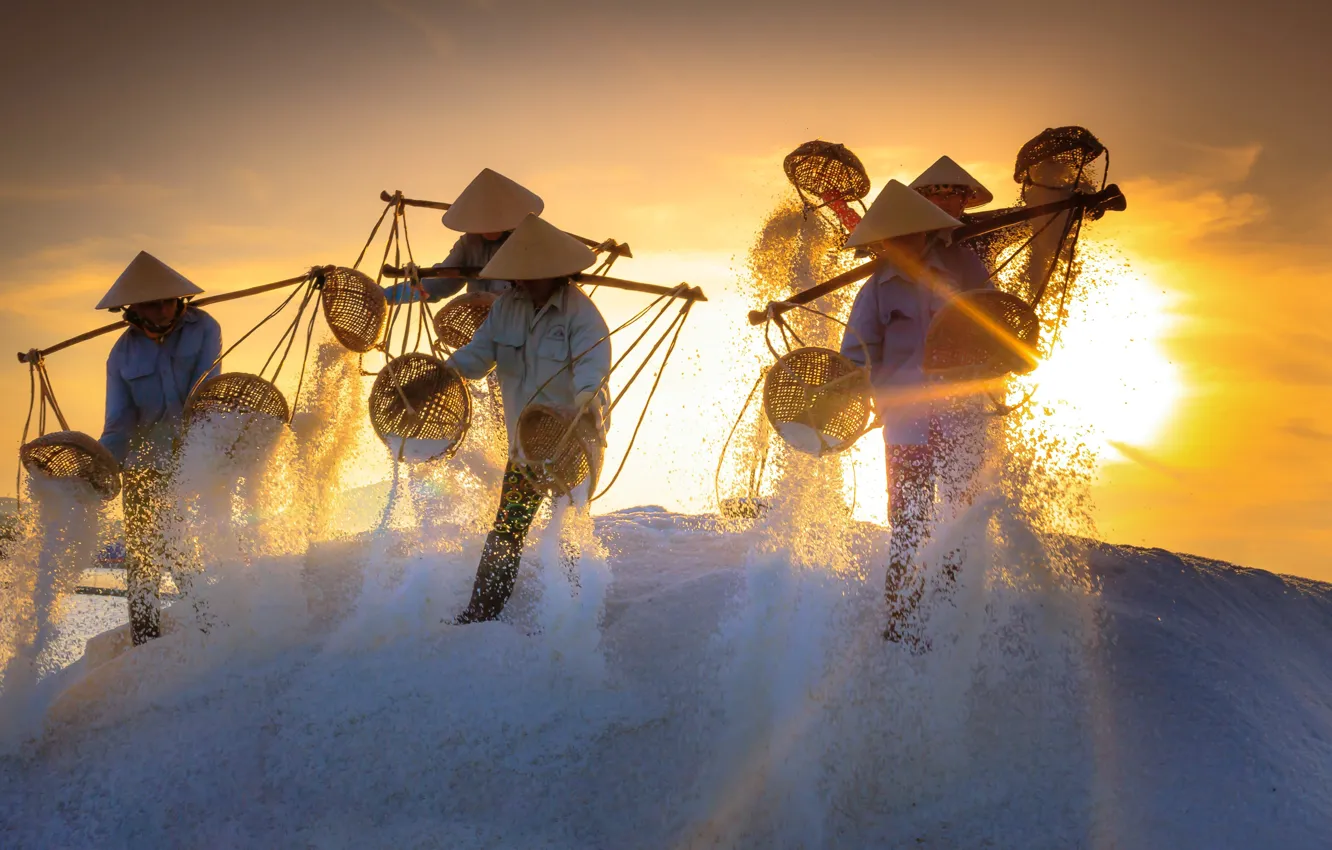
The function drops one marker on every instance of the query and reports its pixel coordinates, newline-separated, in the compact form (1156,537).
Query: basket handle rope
(615,248)
(569,431)
(39,385)
(676,325)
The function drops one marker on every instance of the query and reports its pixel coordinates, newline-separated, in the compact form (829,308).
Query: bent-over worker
(167,349)
(548,344)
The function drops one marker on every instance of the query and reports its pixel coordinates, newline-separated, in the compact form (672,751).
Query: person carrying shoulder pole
(168,347)
(886,333)
(486,213)
(951,188)
(957,429)
(548,344)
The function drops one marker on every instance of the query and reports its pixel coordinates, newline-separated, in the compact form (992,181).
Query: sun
(1108,374)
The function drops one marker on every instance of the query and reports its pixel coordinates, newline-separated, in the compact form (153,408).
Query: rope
(568,433)
(683,315)
(593,347)
(373,231)
(573,424)
(309,339)
(33,357)
(262,322)
(721,461)
(289,335)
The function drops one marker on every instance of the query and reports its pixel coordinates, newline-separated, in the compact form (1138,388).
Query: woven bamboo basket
(236,393)
(982,334)
(355,308)
(552,466)
(1073,148)
(417,397)
(817,400)
(458,320)
(73,454)
(827,171)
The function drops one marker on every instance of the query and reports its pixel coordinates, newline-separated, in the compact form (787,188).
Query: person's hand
(413,273)
(587,404)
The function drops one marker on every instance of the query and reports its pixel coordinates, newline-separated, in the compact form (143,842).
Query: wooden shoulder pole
(620,249)
(202,302)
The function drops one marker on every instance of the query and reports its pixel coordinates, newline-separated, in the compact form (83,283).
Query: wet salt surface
(728,698)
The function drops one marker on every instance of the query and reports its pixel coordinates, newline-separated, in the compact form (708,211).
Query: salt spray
(58,540)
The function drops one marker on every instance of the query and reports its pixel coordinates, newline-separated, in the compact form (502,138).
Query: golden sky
(242,142)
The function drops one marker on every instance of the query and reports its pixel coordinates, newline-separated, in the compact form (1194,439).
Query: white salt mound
(701,690)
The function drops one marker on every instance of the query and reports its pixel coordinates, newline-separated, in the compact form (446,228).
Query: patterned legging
(911,480)
(145,550)
(498,570)
(947,464)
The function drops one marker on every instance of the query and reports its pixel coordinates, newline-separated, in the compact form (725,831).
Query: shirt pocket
(185,365)
(900,315)
(509,354)
(554,348)
(553,371)
(145,387)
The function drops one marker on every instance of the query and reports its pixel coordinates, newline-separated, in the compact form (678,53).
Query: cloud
(1146,460)
(439,39)
(1223,164)
(113,185)
(1163,216)
(255,186)
(1305,429)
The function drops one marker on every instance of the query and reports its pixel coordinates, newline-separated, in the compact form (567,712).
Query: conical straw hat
(899,211)
(146,279)
(538,249)
(491,203)
(945,172)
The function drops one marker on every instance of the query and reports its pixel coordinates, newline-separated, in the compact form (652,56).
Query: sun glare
(1109,373)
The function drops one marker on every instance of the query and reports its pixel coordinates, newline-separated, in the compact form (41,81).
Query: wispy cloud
(113,185)
(1222,164)
(1147,460)
(437,37)
(1306,429)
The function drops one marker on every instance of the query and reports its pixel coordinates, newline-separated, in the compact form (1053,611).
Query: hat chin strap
(151,329)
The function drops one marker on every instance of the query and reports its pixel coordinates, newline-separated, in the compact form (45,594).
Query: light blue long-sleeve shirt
(471,251)
(147,383)
(546,354)
(887,328)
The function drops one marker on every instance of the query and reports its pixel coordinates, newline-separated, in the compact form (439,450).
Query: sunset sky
(241,142)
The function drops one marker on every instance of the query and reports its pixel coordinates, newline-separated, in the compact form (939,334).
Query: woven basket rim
(854,373)
(1025,357)
(387,374)
(578,437)
(103,461)
(1077,137)
(346,280)
(834,151)
(191,404)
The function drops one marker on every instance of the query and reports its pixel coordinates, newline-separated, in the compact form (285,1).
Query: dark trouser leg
(504,548)
(910,506)
(143,489)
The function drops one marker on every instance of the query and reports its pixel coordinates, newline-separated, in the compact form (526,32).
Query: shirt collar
(190,316)
(557,301)
(933,260)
